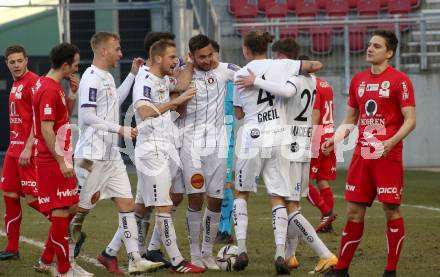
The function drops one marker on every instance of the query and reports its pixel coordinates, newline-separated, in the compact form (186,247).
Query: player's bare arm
(54,148)
(409,124)
(25,156)
(310,66)
(346,127)
(149,110)
(239,114)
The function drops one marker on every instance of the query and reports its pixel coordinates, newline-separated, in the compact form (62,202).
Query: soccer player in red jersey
(57,189)
(323,167)
(382,102)
(18,175)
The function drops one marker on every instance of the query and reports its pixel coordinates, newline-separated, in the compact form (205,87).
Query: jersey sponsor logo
(324,84)
(197,181)
(404,88)
(233,67)
(387,190)
(255,133)
(93,92)
(372,121)
(47,110)
(372,87)
(314,169)
(147,92)
(43,200)
(28,184)
(267,116)
(370,107)
(349,187)
(67,193)
(13,90)
(301,131)
(361,89)
(384,89)
(211,80)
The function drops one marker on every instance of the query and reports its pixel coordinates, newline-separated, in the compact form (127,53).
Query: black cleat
(79,243)
(281,266)
(241,262)
(156,256)
(337,273)
(389,273)
(6,255)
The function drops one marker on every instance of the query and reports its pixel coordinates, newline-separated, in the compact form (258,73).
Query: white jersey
(264,120)
(97,89)
(299,117)
(204,119)
(159,132)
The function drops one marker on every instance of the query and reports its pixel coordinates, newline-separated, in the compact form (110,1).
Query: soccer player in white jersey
(204,148)
(259,151)
(100,169)
(299,92)
(157,159)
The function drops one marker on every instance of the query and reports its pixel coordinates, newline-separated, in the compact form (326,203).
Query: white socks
(279,224)
(143,223)
(210,228)
(168,236)
(299,224)
(115,244)
(128,226)
(240,222)
(193,225)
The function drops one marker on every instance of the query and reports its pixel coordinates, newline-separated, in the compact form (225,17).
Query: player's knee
(11,194)
(124,204)
(392,211)
(195,201)
(215,204)
(356,212)
(322,184)
(30,198)
(177,198)
(242,195)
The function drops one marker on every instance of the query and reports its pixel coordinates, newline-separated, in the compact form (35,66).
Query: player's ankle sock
(168,236)
(225,224)
(12,222)
(327,195)
(127,223)
(193,224)
(155,240)
(115,244)
(241,223)
(210,228)
(48,250)
(308,234)
(316,199)
(279,224)
(59,233)
(141,234)
(351,237)
(395,236)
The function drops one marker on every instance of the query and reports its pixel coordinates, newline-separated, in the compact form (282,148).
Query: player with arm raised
(99,166)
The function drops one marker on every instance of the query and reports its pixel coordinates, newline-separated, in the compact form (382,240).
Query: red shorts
(54,191)
(323,167)
(18,179)
(367,178)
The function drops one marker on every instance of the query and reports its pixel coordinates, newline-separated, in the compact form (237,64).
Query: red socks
(351,237)
(59,237)
(12,222)
(327,195)
(395,236)
(48,251)
(317,200)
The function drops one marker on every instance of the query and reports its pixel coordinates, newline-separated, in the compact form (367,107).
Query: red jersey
(324,103)
(50,105)
(20,112)
(379,99)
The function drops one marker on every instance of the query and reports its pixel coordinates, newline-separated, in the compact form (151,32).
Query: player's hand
(185,97)
(327,146)
(128,132)
(73,83)
(136,64)
(387,146)
(66,170)
(25,157)
(246,81)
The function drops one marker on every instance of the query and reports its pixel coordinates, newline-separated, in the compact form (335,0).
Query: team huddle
(183,145)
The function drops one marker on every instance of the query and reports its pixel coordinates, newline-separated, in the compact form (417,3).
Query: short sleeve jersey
(97,89)
(20,112)
(379,99)
(49,104)
(324,103)
(204,119)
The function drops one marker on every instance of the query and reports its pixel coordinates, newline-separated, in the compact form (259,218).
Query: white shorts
(204,172)
(109,178)
(158,176)
(299,180)
(268,162)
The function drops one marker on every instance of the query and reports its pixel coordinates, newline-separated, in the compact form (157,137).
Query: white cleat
(143,265)
(197,261)
(49,269)
(79,271)
(209,263)
(67,274)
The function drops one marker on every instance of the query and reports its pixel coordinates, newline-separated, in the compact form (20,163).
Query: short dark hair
(101,37)
(15,49)
(391,41)
(153,37)
(198,42)
(63,53)
(288,47)
(159,47)
(304,58)
(215,45)
(257,41)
